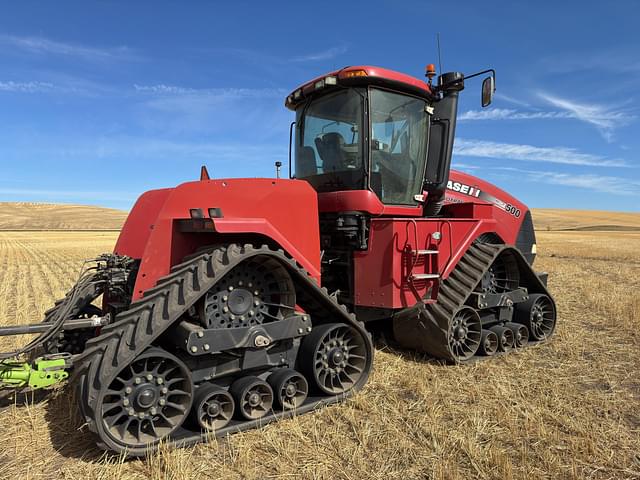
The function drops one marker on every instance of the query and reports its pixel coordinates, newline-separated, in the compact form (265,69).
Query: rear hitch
(45,371)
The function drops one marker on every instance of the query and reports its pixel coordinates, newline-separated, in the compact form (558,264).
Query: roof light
(289,99)
(355,73)
(430,71)
(297,94)
(330,81)
(319,84)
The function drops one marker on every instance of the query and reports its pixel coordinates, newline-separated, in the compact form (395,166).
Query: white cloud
(463,166)
(45,46)
(605,119)
(162,89)
(226,93)
(597,183)
(510,114)
(615,185)
(515,101)
(324,55)
(530,153)
(621,59)
(26,87)
(160,149)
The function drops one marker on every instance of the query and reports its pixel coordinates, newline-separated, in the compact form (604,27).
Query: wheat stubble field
(566,409)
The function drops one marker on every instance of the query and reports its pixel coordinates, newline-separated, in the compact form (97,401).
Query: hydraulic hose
(85,277)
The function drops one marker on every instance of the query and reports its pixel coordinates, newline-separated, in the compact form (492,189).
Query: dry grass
(45,216)
(567,409)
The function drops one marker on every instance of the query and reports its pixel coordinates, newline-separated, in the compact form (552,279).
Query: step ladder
(414,255)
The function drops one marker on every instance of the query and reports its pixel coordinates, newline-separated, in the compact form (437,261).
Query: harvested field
(566,409)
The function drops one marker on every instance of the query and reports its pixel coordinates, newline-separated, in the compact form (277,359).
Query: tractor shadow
(383,341)
(68,433)
(22,398)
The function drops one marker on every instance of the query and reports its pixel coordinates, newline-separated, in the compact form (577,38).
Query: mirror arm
(491,70)
(466,77)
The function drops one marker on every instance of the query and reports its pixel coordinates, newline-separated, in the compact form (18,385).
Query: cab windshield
(328,142)
(399,125)
(330,152)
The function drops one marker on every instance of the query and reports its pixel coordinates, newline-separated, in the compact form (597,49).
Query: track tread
(429,333)
(135,329)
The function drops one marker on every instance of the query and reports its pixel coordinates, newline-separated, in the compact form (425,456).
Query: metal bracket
(507,299)
(200,341)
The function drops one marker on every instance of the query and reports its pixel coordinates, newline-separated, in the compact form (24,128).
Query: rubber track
(135,329)
(425,327)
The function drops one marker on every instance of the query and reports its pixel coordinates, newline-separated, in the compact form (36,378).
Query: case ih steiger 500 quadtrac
(228,304)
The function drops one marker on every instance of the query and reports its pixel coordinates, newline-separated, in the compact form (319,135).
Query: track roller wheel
(290,388)
(520,334)
(465,333)
(253,396)
(213,407)
(505,337)
(538,314)
(146,402)
(334,358)
(488,343)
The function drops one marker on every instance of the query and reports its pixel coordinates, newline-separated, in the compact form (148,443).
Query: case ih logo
(462,188)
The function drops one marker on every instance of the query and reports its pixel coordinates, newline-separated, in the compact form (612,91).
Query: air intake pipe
(443,129)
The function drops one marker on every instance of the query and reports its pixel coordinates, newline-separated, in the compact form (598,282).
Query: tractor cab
(374,140)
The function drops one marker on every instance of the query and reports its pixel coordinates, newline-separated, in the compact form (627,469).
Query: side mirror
(488,87)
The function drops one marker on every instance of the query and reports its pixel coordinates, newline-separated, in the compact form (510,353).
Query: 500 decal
(512,210)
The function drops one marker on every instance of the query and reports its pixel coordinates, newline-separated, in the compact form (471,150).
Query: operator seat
(306,165)
(330,147)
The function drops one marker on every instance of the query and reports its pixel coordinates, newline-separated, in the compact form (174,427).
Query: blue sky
(102,101)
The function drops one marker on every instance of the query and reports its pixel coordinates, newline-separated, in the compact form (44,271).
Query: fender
(284,212)
(509,212)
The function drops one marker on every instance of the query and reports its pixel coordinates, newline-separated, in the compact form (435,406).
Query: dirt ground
(566,409)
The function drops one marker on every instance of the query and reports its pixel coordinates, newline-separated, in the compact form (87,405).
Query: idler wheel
(538,314)
(147,401)
(465,334)
(334,358)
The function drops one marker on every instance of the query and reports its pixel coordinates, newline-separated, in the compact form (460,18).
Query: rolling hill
(45,216)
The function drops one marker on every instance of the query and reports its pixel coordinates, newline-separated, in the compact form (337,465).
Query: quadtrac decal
(475,192)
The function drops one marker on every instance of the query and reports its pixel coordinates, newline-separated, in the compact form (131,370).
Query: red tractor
(228,304)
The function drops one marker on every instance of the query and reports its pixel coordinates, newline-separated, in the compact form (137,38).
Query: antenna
(439,55)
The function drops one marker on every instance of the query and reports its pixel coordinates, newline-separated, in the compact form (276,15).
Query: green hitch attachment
(44,372)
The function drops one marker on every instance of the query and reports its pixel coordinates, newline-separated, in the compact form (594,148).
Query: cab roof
(359,75)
